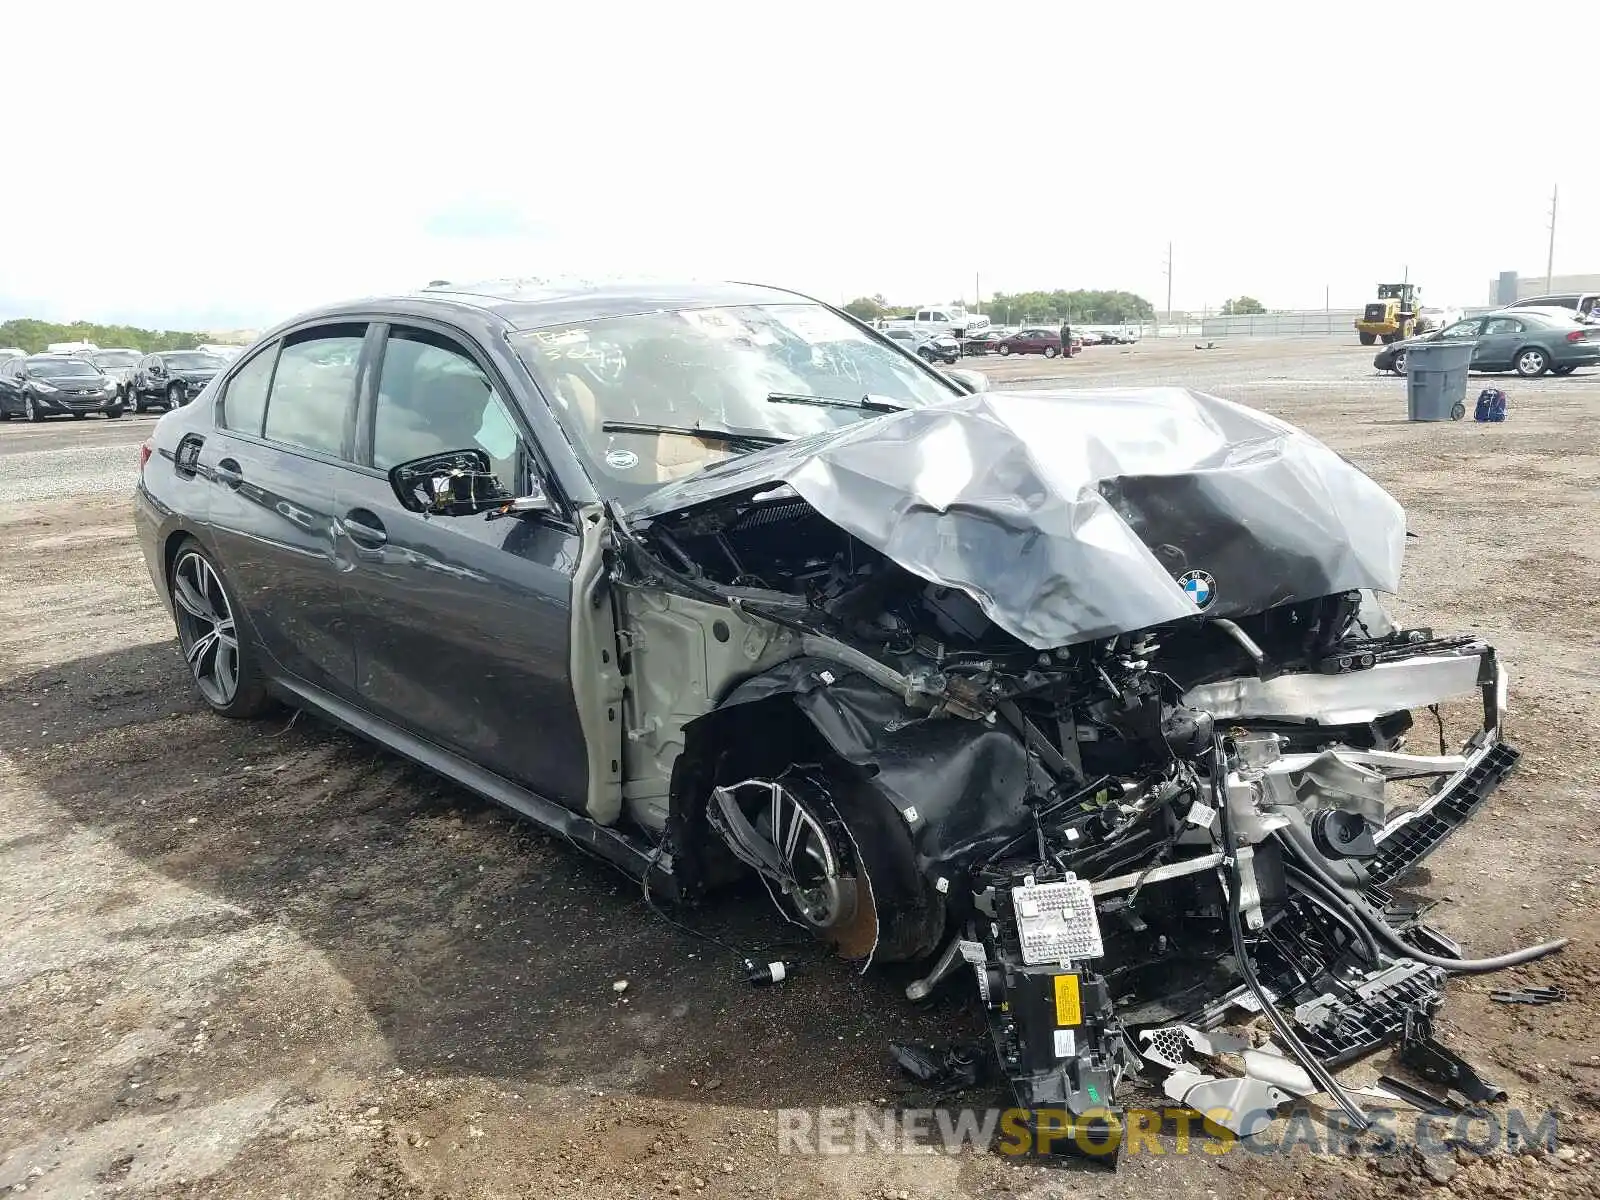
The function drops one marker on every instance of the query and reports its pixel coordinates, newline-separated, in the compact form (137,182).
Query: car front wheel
(1004,349)
(1532,361)
(33,411)
(1051,351)
(175,397)
(1398,363)
(218,652)
(837,852)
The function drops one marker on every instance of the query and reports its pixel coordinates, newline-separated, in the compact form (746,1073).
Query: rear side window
(244,400)
(314,387)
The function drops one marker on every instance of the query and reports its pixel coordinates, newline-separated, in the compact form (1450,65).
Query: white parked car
(938,348)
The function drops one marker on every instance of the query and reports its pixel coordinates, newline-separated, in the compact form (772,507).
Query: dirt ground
(267,959)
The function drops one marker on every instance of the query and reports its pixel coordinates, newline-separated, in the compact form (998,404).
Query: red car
(1033,340)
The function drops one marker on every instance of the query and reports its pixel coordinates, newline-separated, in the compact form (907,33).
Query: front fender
(959,785)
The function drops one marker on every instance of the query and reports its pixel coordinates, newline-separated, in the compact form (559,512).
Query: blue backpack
(1491,405)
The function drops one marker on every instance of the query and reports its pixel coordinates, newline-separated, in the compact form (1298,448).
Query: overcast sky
(227,165)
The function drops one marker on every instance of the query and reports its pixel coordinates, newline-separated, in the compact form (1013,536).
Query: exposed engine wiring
(1235,892)
(1385,933)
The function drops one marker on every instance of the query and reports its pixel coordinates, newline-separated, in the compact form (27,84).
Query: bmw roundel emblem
(1199,587)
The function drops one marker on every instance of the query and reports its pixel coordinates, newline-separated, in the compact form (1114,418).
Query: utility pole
(977,293)
(1550,258)
(1167,270)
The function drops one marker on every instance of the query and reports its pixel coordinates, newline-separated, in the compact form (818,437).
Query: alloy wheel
(1400,362)
(206,629)
(1531,362)
(175,397)
(772,828)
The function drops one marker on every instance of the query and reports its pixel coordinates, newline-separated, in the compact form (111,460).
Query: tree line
(1088,307)
(33,336)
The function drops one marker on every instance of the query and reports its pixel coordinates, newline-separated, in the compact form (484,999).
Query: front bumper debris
(1074,972)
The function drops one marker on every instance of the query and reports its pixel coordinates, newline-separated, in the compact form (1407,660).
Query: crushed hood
(1073,515)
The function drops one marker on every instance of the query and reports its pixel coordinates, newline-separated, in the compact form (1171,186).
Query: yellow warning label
(1069,1003)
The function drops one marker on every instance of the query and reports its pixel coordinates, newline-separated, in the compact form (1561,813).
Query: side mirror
(973,381)
(456,483)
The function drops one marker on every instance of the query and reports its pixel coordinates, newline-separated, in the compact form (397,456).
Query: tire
(1398,363)
(222,661)
(177,397)
(1531,362)
(33,411)
(79,416)
(849,869)
(113,414)
(1005,350)
(1368,339)
(952,359)
(1563,370)
(1051,351)
(1457,411)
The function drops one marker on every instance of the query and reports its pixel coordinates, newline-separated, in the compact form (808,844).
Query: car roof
(61,358)
(536,303)
(1560,311)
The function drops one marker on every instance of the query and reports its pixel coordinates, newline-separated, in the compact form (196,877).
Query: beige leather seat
(668,455)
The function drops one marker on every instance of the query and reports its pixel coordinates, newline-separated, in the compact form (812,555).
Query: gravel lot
(268,959)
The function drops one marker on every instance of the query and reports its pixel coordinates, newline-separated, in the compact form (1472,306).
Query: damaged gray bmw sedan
(1085,698)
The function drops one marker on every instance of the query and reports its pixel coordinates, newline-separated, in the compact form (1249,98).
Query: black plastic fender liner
(958,785)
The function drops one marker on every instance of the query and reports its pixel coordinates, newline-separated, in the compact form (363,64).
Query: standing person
(1066,339)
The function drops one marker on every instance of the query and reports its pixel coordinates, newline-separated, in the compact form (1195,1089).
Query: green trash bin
(1436,380)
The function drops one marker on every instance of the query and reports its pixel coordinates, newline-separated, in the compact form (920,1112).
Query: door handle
(364,528)
(228,474)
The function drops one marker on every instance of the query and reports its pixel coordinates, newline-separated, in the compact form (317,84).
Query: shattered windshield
(662,375)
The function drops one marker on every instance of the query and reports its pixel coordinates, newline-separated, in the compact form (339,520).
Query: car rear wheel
(175,396)
(1532,361)
(218,651)
(835,854)
(1051,351)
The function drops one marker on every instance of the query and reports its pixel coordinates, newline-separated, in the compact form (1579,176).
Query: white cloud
(295,153)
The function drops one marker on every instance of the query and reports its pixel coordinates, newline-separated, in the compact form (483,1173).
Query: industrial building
(1511,287)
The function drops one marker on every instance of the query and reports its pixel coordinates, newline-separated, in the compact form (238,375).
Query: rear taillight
(144,455)
(1578,335)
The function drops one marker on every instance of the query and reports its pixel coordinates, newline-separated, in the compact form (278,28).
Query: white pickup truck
(950,319)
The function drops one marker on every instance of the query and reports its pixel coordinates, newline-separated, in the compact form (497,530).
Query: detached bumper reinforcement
(1339,1031)
(1416,835)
